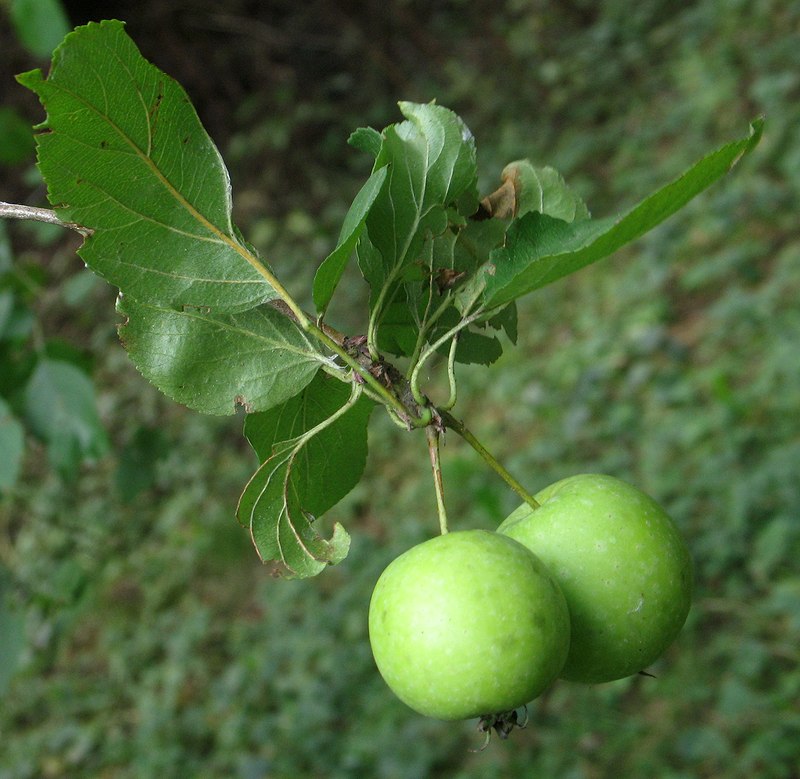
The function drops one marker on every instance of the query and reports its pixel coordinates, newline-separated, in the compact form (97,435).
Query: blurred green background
(139,635)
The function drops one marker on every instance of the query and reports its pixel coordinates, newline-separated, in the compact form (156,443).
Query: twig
(16,211)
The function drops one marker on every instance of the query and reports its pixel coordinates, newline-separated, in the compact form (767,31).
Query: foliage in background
(45,385)
(153,644)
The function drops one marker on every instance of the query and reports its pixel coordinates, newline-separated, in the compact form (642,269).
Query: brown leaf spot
(502,203)
(240,400)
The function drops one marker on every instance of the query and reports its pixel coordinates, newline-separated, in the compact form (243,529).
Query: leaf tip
(30,78)
(756,129)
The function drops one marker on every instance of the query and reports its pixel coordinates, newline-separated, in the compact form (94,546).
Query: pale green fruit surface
(622,565)
(467,624)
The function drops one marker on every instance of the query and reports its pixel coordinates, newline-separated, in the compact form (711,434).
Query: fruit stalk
(432,434)
(458,426)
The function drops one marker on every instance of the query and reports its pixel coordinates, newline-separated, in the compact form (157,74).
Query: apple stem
(456,424)
(432,434)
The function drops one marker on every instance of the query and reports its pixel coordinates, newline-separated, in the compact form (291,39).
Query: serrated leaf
(12,447)
(506,320)
(366,139)
(431,160)
(478,348)
(60,408)
(330,271)
(542,189)
(540,249)
(313,450)
(124,154)
(213,362)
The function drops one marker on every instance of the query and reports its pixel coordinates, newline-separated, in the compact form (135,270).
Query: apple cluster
(591,586)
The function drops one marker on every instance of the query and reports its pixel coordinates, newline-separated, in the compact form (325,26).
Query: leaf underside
(214,362)
(123,153)
(306,468)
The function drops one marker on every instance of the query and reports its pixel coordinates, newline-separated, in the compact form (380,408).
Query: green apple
(622,565)
(468,624)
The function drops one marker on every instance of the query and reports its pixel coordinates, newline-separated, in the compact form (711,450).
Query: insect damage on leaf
(241,402)
(500,204)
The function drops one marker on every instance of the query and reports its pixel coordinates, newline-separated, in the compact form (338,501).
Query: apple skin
(623,567)
(468,624)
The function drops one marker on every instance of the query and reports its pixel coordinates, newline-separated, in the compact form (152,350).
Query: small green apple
(622,565)
(468,624)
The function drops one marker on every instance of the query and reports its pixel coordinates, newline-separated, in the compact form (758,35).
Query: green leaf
(506,320)
(478,348)
(39,24)
(540,249)
(330,271)
(16,141)
(213,362)
(313,449)
(12,446)
(7,304)
(60,408)
(475,244)
(12,633)
(543,189)
(366,139)
(136,467)
(431,159)
(123,153)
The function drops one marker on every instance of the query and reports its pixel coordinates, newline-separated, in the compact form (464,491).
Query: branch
(386,383)
(15,211)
